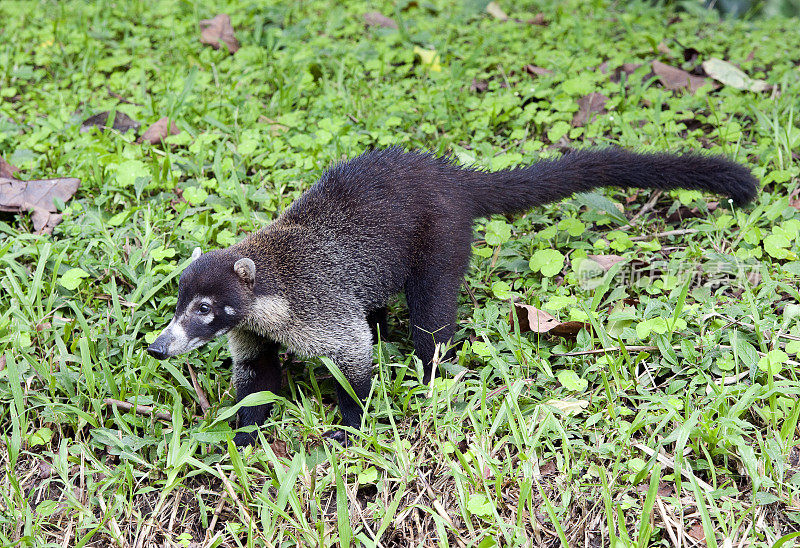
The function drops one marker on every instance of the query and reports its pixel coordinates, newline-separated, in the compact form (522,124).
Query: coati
(386,221)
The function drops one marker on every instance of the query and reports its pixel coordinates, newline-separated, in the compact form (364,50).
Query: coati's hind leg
(256,367)
(432,297)
(378,323)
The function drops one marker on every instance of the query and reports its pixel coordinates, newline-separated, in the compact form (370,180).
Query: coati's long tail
(520,189)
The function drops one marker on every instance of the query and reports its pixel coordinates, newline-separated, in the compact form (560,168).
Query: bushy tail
(519,189)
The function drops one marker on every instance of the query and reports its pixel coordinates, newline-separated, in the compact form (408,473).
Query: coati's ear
(246,270)
(196,253)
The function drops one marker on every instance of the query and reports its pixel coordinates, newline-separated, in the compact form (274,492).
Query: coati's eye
(204,309)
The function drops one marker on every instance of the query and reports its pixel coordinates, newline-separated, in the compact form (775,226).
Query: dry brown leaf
(697,533)
(794,199)
(158,131)
(674,78)
(7,170)
(494,9)
(625,68)
(532,319)
(664,49)
(538,19)
(533,70)
(588,105)
(122,122)
(219,29)
(548,468)
(665,489)
(569,330)
(605,261)
(2,361)
(280,448)
(377,19)
(38,197)
(478,85)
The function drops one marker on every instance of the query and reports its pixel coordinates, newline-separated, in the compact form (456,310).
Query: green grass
(524,441)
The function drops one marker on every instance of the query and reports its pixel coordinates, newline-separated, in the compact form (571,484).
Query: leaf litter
(39,197)
(217,31)
(121,122)
(588,106)
(531,319)
(674,79)
(159,131)
(377,19)
(7,170)
(730,75)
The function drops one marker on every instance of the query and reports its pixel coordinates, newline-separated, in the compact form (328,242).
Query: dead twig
(679,232)
(632,348)
(201,395)
(645,209)
(140,409)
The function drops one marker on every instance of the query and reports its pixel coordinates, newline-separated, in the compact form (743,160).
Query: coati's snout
(215,294)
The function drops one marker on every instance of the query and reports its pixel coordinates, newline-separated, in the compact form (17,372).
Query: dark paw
(339,436)
(246,438)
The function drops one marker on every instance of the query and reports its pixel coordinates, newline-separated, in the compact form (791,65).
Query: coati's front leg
(352,354)
(256,367)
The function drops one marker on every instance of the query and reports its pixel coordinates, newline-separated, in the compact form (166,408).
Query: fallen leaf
(158,131)
(429,58)
(275,127)
(479,85)
(568,407)
(753,277)
(531,318)
(538,19)
(377,19)
(280,448)
(663,48)
(605,261)
(794,199)
(569,329)
(548,468)
(493,9)
(730,75)
(216,30)
(533,70)
(625,68)
(7,170)
(534,320)
(674,78)
(588,105)
(2,361)
(122,122)
(697,532)
(38,197)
